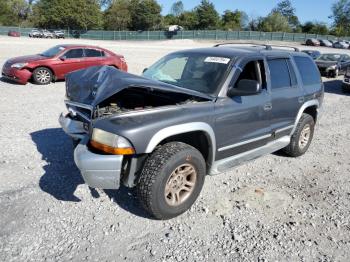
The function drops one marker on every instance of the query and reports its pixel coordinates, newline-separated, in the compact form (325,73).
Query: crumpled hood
(26,59)
(95,84)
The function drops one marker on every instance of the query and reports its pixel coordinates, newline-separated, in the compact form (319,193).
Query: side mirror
(62,58)
(144,70)
(245,87)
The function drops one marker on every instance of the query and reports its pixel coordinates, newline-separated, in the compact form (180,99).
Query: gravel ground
(274,208)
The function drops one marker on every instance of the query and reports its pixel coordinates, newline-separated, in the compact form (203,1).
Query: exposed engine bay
(141,98)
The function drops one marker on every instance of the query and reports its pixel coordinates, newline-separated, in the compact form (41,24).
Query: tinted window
(74,53)
(93,53)
(308,71)
(279,73)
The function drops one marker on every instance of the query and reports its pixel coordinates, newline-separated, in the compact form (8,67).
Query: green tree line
(146,15)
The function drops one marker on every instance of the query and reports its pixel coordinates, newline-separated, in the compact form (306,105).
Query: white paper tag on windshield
(220,60)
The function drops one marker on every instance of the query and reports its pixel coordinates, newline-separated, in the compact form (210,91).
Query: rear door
(94,57)
(242,122)
(71,60)
(286,95)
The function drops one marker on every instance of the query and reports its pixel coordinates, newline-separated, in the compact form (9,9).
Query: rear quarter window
(308,71)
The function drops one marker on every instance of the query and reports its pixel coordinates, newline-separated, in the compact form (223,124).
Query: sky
(306,10)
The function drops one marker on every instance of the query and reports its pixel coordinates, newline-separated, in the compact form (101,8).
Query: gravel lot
(274,208)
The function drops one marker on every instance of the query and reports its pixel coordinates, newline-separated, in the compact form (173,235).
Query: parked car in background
(35,33)
(46,34)
(341,45)
(313,53)
(58,34)
(332,65)
(346,81)
(312,42)
(56,62)
(326,43)
(14,33)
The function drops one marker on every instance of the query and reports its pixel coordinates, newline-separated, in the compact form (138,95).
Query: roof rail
(267,46)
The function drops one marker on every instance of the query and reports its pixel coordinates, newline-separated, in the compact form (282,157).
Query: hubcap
(43,76)
(304,136)
(180,184)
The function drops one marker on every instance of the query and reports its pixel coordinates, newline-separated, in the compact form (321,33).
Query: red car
(14,33)
(59,60)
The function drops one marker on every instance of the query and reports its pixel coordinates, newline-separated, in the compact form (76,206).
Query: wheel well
(53,72)
(312,111)
(197,139)
(115,66)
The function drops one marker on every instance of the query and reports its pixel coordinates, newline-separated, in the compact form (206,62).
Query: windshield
(52,51)
(330,57)
(197,72)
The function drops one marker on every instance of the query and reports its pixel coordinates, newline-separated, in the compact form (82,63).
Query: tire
(302,137)
(42,76)
(161,180)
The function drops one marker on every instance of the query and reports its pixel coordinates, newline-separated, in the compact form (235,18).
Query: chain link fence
(163,35)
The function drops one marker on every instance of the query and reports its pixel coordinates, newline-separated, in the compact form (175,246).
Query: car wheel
(302,137)
(171,180)
(42,76)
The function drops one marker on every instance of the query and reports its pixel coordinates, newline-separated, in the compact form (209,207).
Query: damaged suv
(193,113)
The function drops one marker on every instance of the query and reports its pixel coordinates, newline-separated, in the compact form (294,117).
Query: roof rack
(267,46)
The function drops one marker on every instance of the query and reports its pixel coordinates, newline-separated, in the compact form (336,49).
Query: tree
(145,14)
(315,28)
(341,16)
(286,9)
(118,16)
(13,12)
(189,20)
(74,14)
(208,17)
(275,22)
(233,20)
(177,8)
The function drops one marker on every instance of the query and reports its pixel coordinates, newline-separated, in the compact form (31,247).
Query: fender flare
(181,129)
(307,104)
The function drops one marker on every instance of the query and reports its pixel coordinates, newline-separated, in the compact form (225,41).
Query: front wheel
(302,137)
(171,180)
(42,76)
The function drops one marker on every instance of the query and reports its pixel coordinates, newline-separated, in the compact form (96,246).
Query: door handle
(268,107)
(301,99)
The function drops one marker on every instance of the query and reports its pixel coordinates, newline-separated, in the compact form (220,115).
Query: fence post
(238,35)
(283,36)
(305,37)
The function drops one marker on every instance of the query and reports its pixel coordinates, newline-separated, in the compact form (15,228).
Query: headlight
(110,143)
(333,67)
(19,65)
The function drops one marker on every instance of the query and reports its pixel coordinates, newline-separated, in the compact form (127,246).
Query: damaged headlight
(110,143)
(19,65)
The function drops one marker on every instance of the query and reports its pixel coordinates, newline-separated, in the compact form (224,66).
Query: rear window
(279,73)
(93,53)
(308,71)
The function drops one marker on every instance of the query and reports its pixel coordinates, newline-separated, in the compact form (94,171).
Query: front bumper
(73,128)
(21,76)
(98,171)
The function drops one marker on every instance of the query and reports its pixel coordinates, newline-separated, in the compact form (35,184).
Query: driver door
(242,123)
(70,61)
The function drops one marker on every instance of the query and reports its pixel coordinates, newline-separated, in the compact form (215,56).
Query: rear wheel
(171,180)
(302,137)
(42,76)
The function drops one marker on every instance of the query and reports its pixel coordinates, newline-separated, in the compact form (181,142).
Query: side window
(254,70)
(279,73)
(74,53)
(346,58)
(308,71)
(93,53)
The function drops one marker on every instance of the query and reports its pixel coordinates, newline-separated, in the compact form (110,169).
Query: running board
(230,162)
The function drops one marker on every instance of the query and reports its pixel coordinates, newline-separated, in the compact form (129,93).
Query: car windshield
(330,57)
(52,51)
(198,72)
